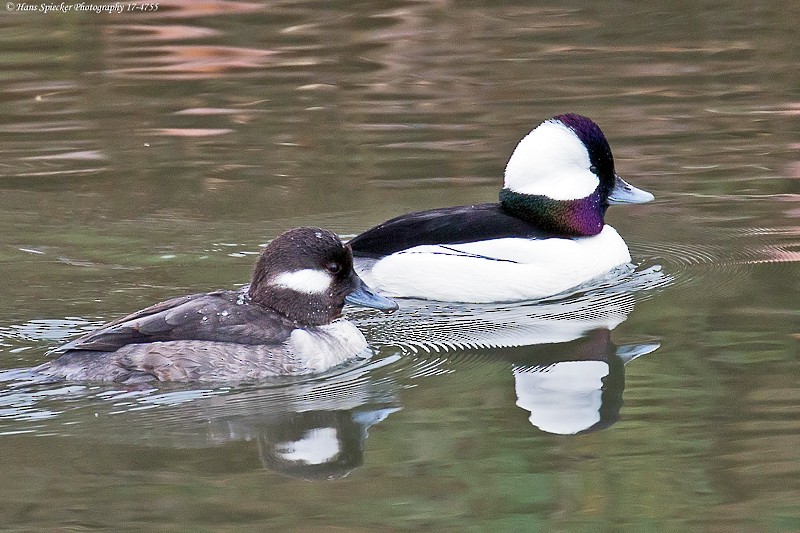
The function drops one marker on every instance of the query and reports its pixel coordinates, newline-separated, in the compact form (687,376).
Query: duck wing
(221,316)
(450,225)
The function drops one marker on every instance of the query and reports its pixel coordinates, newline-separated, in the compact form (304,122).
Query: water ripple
(440,327)
(732,254)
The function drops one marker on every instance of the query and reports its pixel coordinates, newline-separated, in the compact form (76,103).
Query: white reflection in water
(315,447)
(564,397)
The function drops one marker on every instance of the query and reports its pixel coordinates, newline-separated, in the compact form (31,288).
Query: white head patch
(307,281)
(551,161)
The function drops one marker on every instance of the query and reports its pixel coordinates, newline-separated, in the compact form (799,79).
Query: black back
(449,225)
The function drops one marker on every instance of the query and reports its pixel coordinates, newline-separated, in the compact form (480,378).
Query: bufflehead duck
(287,321)
(545,237)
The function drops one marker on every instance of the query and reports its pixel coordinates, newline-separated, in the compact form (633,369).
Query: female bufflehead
(287,321)
(545,237)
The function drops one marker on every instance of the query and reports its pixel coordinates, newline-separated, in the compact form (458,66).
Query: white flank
(522,269)
(307,281)
(553,162)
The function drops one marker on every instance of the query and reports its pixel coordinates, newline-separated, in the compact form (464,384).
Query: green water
(149,154)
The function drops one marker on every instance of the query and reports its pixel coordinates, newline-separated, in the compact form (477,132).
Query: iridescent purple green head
(561,176)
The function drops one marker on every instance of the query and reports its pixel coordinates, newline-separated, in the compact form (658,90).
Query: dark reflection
(567,388)
(318,445)
(568,374)
(314,430)
(573,387)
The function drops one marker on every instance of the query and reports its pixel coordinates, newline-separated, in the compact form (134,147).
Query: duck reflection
(318,445)
(313,429)
(568,374)
(570,387)
(574,387)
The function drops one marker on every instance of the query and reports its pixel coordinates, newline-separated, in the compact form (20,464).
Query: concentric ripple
(723,259)
(445,328)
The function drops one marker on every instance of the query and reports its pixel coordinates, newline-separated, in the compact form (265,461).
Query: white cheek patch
(551,161)
(307,281)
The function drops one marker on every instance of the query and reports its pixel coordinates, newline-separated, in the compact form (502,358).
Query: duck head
(307,275)
(561,176)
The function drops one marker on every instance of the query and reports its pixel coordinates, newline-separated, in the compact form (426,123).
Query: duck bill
(365,297)
(625,193)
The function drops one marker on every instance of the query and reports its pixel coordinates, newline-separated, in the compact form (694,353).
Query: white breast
(499,270)
(324,347)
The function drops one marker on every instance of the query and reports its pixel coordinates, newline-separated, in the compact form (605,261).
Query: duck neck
(574,218)
(300,309)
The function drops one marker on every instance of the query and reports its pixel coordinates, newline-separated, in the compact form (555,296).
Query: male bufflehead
(545,237)
(287,321)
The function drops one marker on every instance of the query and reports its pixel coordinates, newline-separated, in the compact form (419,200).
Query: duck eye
(333,268)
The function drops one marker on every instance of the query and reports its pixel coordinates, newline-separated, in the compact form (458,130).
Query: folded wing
(221,316)
(452,225)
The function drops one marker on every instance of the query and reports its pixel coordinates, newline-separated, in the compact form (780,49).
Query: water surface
(145,155)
